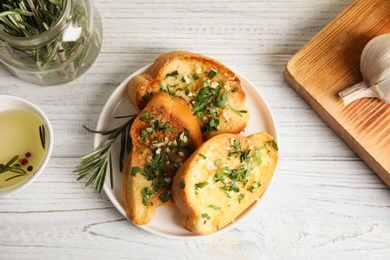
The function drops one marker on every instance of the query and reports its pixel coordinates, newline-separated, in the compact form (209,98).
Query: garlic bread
(164,134)
(222,178)
(212,90)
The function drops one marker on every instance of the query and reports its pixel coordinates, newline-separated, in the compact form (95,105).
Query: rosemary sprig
(10,167)
(26,18)
(42,136)
(98,161)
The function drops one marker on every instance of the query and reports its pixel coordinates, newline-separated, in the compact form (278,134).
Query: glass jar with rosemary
(49,42)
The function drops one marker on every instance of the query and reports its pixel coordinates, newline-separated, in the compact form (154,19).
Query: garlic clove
(375,68)
(375,59)
(357,91)
(382,90)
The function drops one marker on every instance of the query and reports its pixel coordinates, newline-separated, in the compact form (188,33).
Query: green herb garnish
(273,144)
(258,156)
(147,193)
(217,162)
(232,179)
(172,74)
(222,99)
(206,216)
(16,168)
(201,185)
(30,18)
(164,156)
(203,156)
(214,207)
(11,167)
(212,73)
(254,186)
(26,18)
(236,144)
(97,162)
(241,197)
(164,197)
(135,170)
(237,111)
(42,135)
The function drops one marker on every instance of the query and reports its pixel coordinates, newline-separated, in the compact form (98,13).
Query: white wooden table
(325,203)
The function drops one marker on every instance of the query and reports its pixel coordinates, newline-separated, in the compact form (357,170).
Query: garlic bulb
(375,68)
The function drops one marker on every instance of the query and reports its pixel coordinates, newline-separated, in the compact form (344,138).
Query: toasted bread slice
(163,135)
(212,90)
(222,178)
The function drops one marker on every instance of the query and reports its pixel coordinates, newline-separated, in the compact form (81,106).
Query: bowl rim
(25,105)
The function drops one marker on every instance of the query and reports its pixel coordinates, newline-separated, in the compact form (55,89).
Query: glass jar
(60,54)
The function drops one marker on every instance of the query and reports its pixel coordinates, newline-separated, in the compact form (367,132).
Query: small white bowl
(8,102)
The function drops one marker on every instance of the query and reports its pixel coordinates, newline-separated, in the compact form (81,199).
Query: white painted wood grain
(325,203)
(314,209)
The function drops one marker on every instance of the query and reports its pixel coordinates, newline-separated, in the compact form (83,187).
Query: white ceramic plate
(167,221)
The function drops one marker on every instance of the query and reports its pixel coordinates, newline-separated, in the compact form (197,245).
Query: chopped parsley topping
(212,73)
(135,170)
(254,186)
(206,216)
(214,207)
(164,155)
(174,74)
(208,100)
(241,197)
(203,156)
(222,99)
(246,156)
(217,162)
(258,156)
(236,178)
(273,144)
(238,112)
(200,185)
(187,90)
(147,193)
(236,144)
(182,185)
(164,197)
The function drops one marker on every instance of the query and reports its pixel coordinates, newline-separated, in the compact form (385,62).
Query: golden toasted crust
(222,178)
(196,79)
(163,135)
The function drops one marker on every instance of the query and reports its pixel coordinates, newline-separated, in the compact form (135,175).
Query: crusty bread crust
(222,178)
(163,135)
(189,75)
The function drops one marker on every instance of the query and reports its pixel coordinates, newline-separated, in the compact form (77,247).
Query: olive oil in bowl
(25,143)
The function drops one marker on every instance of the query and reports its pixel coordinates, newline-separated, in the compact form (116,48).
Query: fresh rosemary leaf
(99,161)
(9,167)
(111,172)
(42,136)
(15,176)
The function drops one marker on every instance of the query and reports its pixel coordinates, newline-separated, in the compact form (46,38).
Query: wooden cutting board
(330,63)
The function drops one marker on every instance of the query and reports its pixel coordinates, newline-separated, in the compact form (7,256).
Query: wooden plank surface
(325,203)
(329,63)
